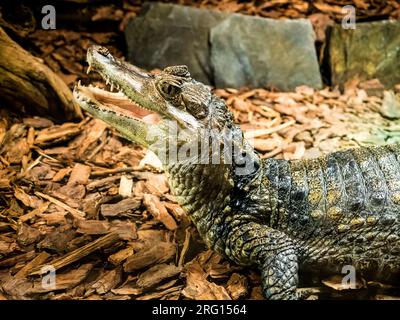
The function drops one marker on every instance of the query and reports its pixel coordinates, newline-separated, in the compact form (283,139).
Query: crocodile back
(342,206)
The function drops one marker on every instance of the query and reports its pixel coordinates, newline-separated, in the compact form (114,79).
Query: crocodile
(282,217)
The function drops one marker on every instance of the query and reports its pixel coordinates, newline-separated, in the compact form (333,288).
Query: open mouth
(114,98)
(113,101)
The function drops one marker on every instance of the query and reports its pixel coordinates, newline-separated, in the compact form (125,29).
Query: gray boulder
(372,50)
(258,52)
(183,15)
(166,34)
(223,49)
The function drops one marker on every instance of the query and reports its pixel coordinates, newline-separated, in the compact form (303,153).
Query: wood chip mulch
(98,209)
(80,198)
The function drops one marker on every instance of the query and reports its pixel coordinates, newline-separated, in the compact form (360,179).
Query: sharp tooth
(107,80)
(89,69)
(112,86)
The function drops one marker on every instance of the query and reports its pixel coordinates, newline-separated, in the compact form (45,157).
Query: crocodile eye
(170,90)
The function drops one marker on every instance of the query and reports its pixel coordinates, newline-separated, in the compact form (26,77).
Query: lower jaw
(119,102)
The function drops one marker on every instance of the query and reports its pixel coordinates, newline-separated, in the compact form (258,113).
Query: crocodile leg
(272,251)
(279,275)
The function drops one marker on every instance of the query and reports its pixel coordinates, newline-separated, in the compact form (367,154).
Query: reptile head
(172,95)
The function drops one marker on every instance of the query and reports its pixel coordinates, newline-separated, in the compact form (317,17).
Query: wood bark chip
(61,174)
(175,209)
(184,248)
(27,235)
(57,134)
(7,247)
(151,235)
(28,200)
(120,256)
(92,227)
(237,286)
(125,187)
(198,288)
(157,184)
(17,288)
(58,240)
(38,260)
(79,253)
(38,211)
(64,281)
(54,218)
(21,258)
(106,172)
(105,182)
(122,208)
(38,122)
(108,281)
(79,175)
(156,252)
(158,210)
(156,274)
(126,230)
(160,294)
(128,290)
(97,130)
(76,213)
(336,282)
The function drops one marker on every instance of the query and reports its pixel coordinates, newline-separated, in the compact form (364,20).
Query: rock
(369,51)
(183,15)
(228,50)
(258,52)
(166,34)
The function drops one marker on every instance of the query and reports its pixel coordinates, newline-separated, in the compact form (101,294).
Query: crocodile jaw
(128,123)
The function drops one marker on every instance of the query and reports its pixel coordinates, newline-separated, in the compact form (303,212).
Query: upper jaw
(128,79)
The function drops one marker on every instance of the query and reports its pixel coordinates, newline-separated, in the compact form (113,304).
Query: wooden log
(26,83)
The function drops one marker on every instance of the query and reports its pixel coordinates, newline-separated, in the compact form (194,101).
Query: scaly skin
(281,216)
